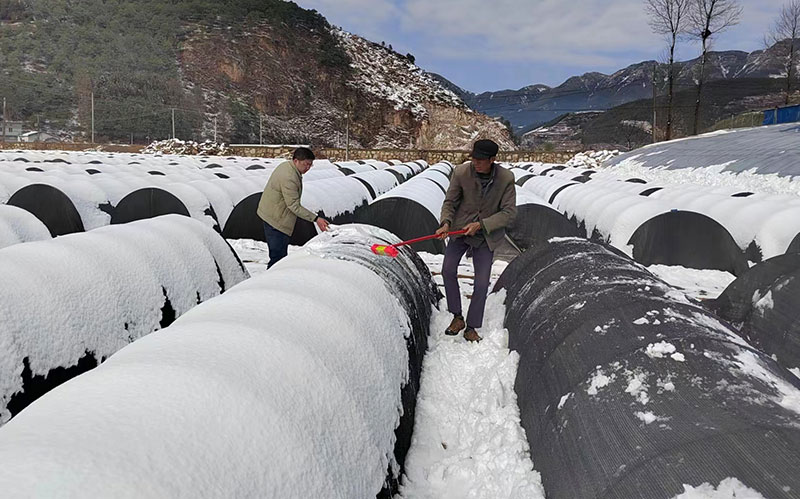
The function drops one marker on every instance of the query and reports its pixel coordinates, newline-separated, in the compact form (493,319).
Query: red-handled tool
(380,249)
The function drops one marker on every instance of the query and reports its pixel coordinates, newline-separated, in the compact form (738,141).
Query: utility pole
(92,117)
(173,122)
(654,103)
(347,136)
(215,129)
(5,120)
(260,129)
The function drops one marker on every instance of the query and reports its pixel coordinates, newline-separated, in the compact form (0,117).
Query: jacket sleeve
(451,201)
(291,196)
(508,210)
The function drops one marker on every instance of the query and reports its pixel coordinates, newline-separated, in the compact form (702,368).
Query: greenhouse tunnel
(51,206)
(626,389)
(794,246)
(536,223)
(765,303)
(406,218)
(687,239)
(92,293)
(146,203)
(736,303)
(339,436)
(338,200)
(244,222)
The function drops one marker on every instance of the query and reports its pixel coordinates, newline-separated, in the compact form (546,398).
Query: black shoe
(471,335)
(455,326)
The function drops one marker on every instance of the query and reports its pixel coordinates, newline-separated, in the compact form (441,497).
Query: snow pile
(190,147)
(599,380)
(388,75)
(729,488)
(286,386)
(468,441)
(592,159)
(19,226)
(98,291)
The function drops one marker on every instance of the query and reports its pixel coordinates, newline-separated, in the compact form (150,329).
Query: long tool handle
(432,236)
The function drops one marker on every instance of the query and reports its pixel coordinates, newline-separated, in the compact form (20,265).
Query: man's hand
(442,231)
(322,224)
(472,228)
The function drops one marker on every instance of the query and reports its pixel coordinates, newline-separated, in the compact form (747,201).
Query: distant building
(37,137)
(11,130)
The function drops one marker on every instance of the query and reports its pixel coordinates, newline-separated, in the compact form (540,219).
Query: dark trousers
(482,261)
(278,243)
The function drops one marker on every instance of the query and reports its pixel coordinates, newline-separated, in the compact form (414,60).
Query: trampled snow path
(468,442)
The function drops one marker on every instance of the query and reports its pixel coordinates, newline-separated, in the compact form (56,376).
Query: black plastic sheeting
(244,222)
(794,246)
(404,218)
(765,304)
(147,203)
(409,280)
(54,208)
(559,191)
(736,302)
(582,318)
(535,224)
(687,239)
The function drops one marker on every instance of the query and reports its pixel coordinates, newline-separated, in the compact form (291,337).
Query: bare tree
(784,34)
(669,18)
(706,19)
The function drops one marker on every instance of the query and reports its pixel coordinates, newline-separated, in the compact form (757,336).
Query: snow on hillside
(387,75)
(591,159)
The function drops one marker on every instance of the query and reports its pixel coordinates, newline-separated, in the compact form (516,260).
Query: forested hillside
(253,69)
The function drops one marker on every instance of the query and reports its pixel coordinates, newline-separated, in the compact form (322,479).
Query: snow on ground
(468,442)
(698,284)
(254,254)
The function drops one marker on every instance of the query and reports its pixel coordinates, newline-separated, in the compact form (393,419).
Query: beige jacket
(495,209)
(280,201)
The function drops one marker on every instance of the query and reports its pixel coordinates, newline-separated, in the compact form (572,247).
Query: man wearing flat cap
(481,199)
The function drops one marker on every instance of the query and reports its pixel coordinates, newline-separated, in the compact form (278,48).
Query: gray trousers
(482,260)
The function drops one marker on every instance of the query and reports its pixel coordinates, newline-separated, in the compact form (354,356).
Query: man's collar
(492,169)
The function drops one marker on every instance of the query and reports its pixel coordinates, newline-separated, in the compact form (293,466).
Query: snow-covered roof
(767,150)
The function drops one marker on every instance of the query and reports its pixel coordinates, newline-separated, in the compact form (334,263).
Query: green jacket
(465,202)
(280,201)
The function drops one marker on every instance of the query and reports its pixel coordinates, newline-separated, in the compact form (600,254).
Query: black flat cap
(484,149)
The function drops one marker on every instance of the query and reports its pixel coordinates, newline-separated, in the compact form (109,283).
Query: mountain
(532,106)
(243,70)
(630,125)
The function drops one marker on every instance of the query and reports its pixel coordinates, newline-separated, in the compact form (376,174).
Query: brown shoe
(471,335)
(455,326)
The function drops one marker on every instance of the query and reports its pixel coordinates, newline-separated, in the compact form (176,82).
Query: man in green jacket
(482,199)
(280,205)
